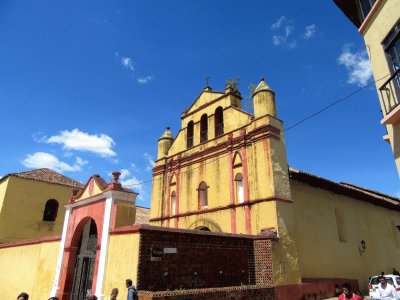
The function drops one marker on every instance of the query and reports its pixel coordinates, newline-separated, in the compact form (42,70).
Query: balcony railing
(390,92)
(190,142)
(203,136)
(219,130)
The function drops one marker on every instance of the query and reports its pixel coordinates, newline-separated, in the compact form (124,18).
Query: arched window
(341,224)
(219,121)
(239,188)
(203,200)
(173,203)
(396,234)
(50,210)
(190,134)
(203,128)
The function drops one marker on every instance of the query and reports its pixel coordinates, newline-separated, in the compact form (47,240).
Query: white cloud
(357,65)
(150,161)
(144,80)
(135,184)
(80,161)
(47,160)
(82,141)
(285,28)
(278,23)
(127,63)
(134,167)
(39,137)
(310,31)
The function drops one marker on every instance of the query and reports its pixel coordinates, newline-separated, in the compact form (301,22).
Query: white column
(60,253)
(104,247)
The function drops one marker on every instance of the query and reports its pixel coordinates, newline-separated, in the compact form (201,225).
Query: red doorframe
(80,215)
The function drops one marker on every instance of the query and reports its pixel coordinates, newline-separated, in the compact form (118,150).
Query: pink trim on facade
(177,174)
(219,208)
(232,193)
(126,229)
(47,239)
(371,14)
(247,214)
(168,197)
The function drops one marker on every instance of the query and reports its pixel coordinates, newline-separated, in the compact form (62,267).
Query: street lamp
(362,247)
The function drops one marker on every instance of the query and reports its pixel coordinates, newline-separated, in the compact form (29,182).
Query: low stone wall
(231,293)
(175,260)
(312,289)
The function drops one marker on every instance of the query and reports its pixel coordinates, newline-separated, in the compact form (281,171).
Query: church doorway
(85,262)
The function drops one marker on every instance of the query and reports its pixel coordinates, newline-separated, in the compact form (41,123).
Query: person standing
(23,296)
(132,292)
(114,294)
(348,293)
(386,290)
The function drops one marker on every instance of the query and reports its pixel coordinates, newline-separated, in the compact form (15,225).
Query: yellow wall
(21,215)
(3,190)
(379,27)
(122,263)
(28,269)
(322,254)
(86,192)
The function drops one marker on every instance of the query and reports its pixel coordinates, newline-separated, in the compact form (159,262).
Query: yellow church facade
(227,171)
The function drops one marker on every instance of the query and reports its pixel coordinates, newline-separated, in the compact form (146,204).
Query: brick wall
(178,260)
(237,293)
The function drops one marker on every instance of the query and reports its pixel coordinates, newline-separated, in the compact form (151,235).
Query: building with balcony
(378,21)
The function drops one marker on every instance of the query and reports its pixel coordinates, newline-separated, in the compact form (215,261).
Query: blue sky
(88,88)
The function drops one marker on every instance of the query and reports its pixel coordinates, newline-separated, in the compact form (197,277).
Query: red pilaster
(232,193)
(177,174)
(168,199)
(247,213)
(96,265)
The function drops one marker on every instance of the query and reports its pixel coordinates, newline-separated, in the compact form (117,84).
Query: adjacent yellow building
(32,204)
(379,23)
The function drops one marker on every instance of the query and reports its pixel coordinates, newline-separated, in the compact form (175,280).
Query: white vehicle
(391,279)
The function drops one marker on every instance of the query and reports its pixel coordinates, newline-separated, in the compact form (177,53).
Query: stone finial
(72,198)
(262,87)
(116,175)
(167,135)
(115,185)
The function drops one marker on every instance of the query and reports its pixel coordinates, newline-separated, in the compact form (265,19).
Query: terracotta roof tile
(142,215)
(347,189)
(47,175)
